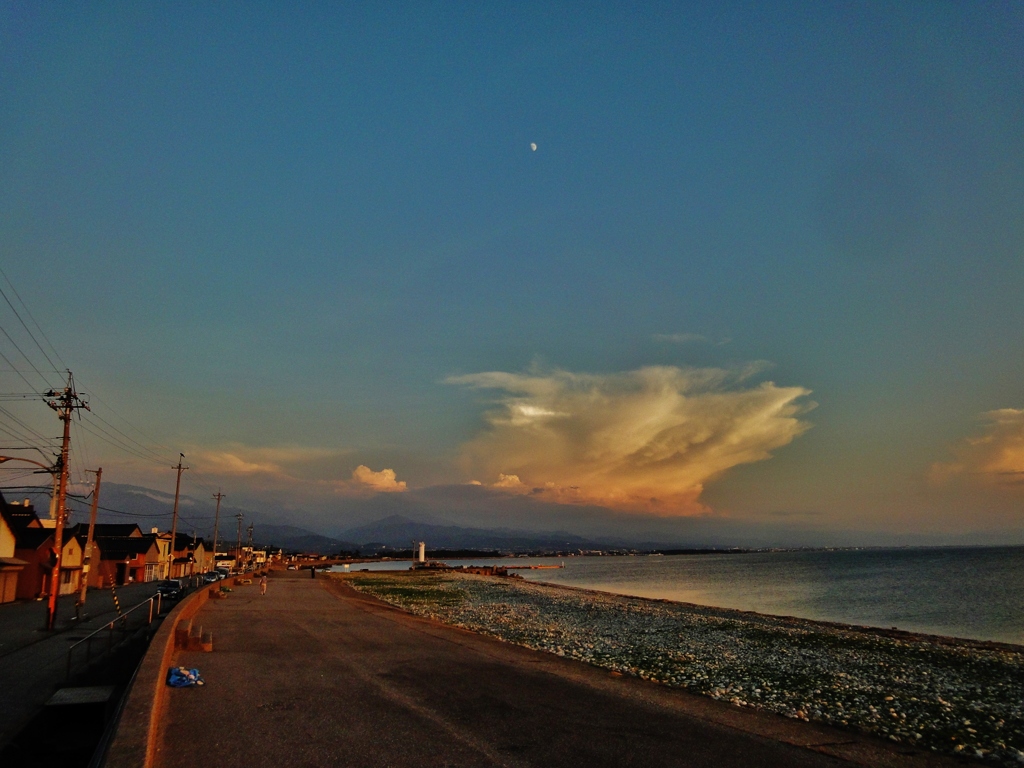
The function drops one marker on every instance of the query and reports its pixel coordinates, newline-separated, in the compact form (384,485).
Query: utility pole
(87,562)
(174,520)
(216,523)
(65,403)
(238,545)
(251,558)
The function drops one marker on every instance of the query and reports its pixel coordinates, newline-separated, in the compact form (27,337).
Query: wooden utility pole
(87,560)
(174,517)
(216,525)
(238,543)
(65,403)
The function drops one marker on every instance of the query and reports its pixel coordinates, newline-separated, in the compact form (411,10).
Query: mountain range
(153,509)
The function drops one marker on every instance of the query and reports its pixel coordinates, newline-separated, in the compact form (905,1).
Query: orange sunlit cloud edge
(643,440)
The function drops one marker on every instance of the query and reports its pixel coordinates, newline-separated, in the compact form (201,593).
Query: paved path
(33,661)
(314,674)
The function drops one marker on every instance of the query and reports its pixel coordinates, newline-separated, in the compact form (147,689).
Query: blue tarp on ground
(183,677)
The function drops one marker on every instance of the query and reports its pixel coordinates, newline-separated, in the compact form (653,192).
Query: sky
(746,264)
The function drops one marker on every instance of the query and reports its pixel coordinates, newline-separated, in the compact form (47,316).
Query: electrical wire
(20,374)
(107,438)
(24,426)
(34,321)
(27,329)
(155,456)
(27,358)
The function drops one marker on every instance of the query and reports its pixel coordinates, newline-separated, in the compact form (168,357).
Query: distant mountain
(293,537)
(399,532)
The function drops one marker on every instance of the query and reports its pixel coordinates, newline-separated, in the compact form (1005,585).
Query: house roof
(183,541)
(120,547)
(104,530)
(18,518)
(32,538)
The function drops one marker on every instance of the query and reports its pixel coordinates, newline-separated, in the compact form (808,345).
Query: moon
(533,146)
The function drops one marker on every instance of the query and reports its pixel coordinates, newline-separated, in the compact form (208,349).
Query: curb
(135,740)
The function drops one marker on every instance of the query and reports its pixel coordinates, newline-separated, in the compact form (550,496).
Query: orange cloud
(238,459)
(384,481)
(641,440)
(995,457)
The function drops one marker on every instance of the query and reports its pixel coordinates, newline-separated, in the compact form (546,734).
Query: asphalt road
(313,674)
(33,661)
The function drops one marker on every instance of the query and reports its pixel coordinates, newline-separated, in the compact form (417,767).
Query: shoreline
(950,695)
(906,634)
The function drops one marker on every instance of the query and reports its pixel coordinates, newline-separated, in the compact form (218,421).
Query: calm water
(964,592)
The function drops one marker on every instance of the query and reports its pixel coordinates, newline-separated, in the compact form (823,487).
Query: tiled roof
(19,517)
(120,547)
(32,538)
(107,529)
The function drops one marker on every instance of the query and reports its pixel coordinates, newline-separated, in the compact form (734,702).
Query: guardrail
(124,625)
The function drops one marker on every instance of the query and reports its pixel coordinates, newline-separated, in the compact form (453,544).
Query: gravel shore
(949,695)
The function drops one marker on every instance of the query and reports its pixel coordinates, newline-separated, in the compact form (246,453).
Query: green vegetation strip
(964,698)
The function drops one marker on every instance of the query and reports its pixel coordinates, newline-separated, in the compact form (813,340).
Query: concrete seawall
(139,729)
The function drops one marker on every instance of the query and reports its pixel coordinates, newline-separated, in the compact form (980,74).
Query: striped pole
(117,603)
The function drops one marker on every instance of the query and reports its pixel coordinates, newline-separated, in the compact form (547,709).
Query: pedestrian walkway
(33,660)
(314,674)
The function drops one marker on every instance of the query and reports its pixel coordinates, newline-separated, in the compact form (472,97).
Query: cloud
(647,439)
(238,459)
(679,338)
(511,482)
(687,338)
(383,481)
(995,457)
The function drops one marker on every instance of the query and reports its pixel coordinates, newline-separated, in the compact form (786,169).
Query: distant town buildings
(122,554)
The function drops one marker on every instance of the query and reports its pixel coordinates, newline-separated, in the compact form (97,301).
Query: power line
(25,326)
(156,456)
(7,360)
(25,426)
(27,359)
(34,321)
(106,437)
(106,405)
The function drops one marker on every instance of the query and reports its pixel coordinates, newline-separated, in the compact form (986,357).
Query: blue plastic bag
(183,677)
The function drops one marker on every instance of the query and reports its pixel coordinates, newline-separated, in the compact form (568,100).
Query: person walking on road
(263,584)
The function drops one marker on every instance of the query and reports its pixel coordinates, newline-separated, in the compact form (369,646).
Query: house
(70,566)
(10,566)
(190,556)
(125,559)
(97,575)
(34,545)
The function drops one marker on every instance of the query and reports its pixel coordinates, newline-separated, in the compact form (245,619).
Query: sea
(969,592)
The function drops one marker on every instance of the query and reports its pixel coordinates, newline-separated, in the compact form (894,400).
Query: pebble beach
(954,696)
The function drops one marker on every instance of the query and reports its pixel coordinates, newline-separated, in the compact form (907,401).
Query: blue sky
(258,229)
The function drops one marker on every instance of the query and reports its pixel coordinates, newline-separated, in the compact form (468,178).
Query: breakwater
(961,697)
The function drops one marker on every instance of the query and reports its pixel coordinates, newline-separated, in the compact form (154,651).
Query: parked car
(223,573)
(211,577)
(169,589)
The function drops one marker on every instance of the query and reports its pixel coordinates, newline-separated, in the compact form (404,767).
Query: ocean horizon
(968,592)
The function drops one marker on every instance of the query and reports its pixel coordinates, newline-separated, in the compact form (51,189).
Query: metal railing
(125,625)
